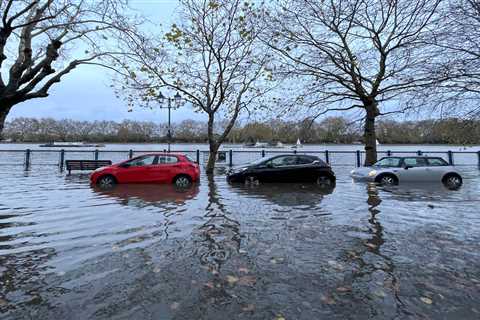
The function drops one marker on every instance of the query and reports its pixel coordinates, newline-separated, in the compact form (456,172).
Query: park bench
(86,164)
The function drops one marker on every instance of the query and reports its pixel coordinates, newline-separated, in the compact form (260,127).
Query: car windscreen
(190,159)
(388,162)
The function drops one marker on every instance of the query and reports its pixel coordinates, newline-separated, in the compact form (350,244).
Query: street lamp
(177,100)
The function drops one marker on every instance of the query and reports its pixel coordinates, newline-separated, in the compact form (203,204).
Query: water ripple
(256,252)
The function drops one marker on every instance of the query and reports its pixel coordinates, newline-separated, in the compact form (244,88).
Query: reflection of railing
(27,158)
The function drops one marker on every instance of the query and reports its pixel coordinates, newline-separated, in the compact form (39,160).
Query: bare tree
(213,58)
(355,54)
(43,40)
(458,38)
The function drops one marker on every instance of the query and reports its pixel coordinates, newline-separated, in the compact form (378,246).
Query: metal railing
(28,158)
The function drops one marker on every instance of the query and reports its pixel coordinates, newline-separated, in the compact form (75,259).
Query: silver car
(393,170)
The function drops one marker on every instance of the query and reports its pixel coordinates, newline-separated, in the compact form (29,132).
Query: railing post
(389,153)
(263,153)
(198,156)
(478,154)
(450,157)
(130,154)
(27,159)
(358,159)
(419,153)
(96,155)
(327,157)
(231,158)
(62,159)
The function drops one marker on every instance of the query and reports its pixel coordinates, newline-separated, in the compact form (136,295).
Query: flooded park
(222,251)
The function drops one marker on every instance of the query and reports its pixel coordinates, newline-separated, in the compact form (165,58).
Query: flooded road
(218,251)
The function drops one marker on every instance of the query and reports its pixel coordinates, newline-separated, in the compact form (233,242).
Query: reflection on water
(306,196)
(142,195)
(218,251)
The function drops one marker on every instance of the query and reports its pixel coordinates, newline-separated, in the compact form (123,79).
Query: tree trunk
(370,135)
(212,157)
(4,110)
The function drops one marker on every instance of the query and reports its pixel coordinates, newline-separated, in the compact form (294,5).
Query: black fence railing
(28,158)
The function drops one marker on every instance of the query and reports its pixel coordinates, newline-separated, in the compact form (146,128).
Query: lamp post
(177,100)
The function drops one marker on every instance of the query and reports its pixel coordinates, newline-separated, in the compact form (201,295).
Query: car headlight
(99,169)
(352,172)
(372,173)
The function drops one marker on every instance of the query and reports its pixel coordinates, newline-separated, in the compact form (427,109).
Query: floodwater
(220,251)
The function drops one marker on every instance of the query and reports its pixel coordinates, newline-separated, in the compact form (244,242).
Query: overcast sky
(85,93)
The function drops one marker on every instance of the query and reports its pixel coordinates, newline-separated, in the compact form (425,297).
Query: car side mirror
(125,165)
(407,167)
(269,165)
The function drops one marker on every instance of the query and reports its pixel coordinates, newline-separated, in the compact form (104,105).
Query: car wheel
(106,182)
(452,181)
(387,180)
(325,181)
(252,180)
(182,182)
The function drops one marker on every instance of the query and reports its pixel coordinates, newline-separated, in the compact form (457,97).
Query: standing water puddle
(217,251)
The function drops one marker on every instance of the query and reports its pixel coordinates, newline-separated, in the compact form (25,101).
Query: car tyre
(452,181)
(387,180)
(182,181)
(252,181)
(106,182)
(325,181)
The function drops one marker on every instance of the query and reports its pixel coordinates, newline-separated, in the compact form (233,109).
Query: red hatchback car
(149,168)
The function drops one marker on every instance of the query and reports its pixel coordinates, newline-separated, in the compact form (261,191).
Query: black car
(284,168)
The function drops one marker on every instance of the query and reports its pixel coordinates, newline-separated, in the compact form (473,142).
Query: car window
(388,162)
(167,159)
(142,161)
(284,161)
(190,159)
(415,162)
(437,162)
(304,160)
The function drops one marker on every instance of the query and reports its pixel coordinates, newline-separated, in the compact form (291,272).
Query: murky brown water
(218,251)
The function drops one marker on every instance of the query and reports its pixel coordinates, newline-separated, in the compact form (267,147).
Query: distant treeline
(330,130)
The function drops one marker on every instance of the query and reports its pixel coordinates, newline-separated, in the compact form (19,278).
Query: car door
(282,169)
(437,168)
(413,169)
(138,170)
(166,168)
(305,171)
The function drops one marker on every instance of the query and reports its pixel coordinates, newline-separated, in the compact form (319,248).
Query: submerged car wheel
(252,180)
(387,180)
(182,182)
(325,181)
(452,181)
(106,182)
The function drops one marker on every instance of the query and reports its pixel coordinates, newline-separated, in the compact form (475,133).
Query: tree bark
(214,146)
(370,135)
(4,110)
(212,158)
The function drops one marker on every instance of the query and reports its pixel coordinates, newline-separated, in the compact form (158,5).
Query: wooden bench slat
(86,164)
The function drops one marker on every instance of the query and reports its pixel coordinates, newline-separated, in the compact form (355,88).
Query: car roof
(161,154)
(419,157)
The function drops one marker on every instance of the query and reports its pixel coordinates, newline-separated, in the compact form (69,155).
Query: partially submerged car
(149,168)
(394,170)
(284,168)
